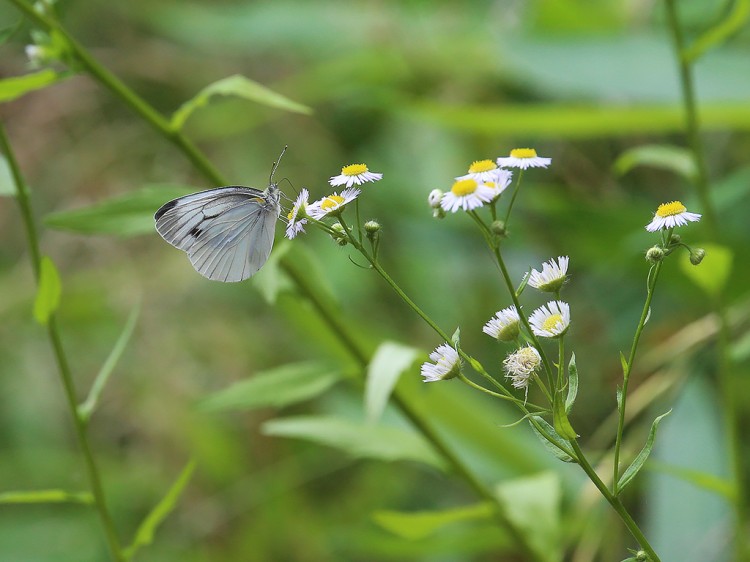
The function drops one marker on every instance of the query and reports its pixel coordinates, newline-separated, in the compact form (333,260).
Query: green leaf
(15,87)
(89,405)
(697,478)
(665,157)
(7,183)
(279,387)
(532,505)
(126,215)
(456,337)
(239,86)
(416,525)
(9,31)
(46,496)
(560,418)
(623,363)
(389,361)
(144,536)
(359,440)
(712,273)
(618,394)
(720,32)
(562,452)
(637,463)
(572,384)
(270,280)
(48,294)
(524,282)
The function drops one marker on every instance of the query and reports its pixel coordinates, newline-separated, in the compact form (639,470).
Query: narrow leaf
(720,32)
(15,87)
(145,533)
(697,478)
(637,464)
(89,405)
(524,282)
(456,337)
(562,452)
(664,157)
(46,496)
(619,398)
(271,281)
(7,184)
(125,215)
(560,418)
(418,525)
(390,360)
(239,86)
(279,387)
(572,384)
(48,293)
(359,440)
(623,363)
(712,273)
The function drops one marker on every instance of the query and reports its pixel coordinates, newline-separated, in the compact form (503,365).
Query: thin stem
(22,196)
(513,198)
(651,284)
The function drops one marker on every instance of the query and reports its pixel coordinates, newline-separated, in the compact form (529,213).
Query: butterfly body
(227,232)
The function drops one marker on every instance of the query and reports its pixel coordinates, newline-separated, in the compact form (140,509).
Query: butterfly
(227,232)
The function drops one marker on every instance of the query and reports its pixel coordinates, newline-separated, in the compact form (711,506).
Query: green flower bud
(371,227)
(697,255)
(498,227)
(655,254)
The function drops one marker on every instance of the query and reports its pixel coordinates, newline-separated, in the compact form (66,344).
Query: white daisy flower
(550,320)
(504,326)
(445,365)
(482,171)
(332,203)
(354,174)
(524,158)
(520,365)
(501,182)
(669,215)
(467,195)
(296,216)
(552,277)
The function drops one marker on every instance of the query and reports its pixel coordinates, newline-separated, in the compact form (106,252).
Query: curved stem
(53,332)
(513,198)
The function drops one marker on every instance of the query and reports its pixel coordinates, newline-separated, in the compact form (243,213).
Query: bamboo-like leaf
(666,157)
(144,536)
(698,478)
(418,525)
(16,86)
(637,464)
(89,405)
(562,452)
(48,294)
(560,418)
(46,496)
(386,366)
(239,86)
(720,32)
(572,384)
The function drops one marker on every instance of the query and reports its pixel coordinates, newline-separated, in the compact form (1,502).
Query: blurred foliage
(417,90)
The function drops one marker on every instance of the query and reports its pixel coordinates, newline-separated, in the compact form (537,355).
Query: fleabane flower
(354,174)
(521,365)
(482,171)
(505,325)
(669,215)
(446,364)
(500,182)
(552,276)
(332,204)
(297,216)
(467,195)
(550,320)
(523,158)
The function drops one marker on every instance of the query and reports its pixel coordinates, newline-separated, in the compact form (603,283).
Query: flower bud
(655,254)
(675,239)
(371,227)
(342,241)
(434,198)
(498,227)
(338,232)
(697,255)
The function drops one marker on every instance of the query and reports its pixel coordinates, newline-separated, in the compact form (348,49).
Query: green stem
(513,198)
(651,284)
(22,196)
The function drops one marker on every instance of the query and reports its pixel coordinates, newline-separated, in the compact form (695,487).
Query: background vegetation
(417,90)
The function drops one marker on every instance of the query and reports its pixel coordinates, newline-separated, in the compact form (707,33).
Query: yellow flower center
(552,322)
(290,215)
(331,202)
(670,209)
(523,153)
(354,169)
(482,166)
(464,187)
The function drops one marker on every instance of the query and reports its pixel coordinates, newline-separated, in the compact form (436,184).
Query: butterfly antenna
(276,164)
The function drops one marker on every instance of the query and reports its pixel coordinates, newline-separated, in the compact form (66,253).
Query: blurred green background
(417,90)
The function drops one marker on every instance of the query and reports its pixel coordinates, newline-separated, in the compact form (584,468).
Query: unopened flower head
(482,171)
(505,325)
(669,215)
(520,365)
(467,195)
(332,204)
(523,158)
(297,216)
(434,198)
(550,320)
(354,174)
(446,364)
(552,276)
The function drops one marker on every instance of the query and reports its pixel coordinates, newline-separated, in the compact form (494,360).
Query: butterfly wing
(227,232)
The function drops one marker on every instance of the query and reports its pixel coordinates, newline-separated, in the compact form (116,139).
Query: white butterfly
(227,232)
